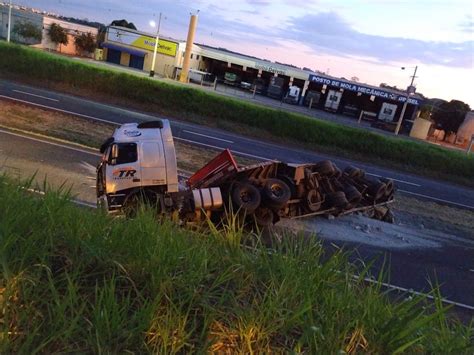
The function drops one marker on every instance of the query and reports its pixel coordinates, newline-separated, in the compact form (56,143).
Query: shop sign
(362,89)
(141,41)
(270,69)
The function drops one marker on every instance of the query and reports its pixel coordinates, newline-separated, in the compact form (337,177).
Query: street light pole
(9,21)
(405,104)
(152,71)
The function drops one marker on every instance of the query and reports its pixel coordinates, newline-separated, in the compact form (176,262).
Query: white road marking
(205,135)
(220,148)
(398,288)
(402,181)
(60,110)
(50,143)
(29,93)
(436,199)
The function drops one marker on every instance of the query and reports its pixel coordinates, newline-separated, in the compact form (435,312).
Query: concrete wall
(164,64)
(73,30)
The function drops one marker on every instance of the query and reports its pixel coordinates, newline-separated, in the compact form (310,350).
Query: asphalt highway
(451,263)
(409,184)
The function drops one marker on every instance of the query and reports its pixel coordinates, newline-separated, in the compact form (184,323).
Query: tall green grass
(45,69)
(76,280)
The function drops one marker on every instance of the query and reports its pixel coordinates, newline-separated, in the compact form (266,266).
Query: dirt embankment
(88,132)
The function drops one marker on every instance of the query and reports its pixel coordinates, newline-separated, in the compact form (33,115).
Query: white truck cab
(138,156)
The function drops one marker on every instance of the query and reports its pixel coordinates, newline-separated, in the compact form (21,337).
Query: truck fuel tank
(207,198)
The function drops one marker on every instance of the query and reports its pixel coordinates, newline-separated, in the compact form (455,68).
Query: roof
(252,62)
(142,33)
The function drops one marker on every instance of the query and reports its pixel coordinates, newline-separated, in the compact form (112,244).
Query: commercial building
(135,49)
(19,16)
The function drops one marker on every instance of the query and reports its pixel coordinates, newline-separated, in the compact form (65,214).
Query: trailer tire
(353,172)
(263,217)
(353,195)
(388,217)
(377,190)
(337,199)
(313,201)
(325,167)
(246,197)
(276,193)
(390,187)
(291,184)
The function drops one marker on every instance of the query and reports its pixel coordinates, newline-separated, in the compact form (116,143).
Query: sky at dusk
(369,39)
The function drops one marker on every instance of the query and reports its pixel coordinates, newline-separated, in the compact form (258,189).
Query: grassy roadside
(88,132)
(74,280)
(195,105)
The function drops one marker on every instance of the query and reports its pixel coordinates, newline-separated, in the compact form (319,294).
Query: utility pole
(9,21)
(157,39)
(405,104)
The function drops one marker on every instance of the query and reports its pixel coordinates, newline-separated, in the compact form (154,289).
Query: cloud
(330,34)
(467,25)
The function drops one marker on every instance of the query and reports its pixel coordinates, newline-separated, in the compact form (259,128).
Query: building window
(197,57)
(191,56)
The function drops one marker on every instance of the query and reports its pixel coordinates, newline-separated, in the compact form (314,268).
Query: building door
(113,55)
(136,62)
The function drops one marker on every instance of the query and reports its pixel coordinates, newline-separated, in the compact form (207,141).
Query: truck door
(122,169)
(153,164)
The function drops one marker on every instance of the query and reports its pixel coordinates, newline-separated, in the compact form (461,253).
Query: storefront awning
(129,50)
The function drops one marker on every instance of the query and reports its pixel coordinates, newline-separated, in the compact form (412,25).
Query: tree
(58,35)
(101,35)
(28,30)
(355,78)
(449,115)
(123,23)
(85,43)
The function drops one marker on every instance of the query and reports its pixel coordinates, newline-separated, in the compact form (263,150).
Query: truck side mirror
(114,152)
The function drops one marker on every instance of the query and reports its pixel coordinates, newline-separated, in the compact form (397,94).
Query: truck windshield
(127,153)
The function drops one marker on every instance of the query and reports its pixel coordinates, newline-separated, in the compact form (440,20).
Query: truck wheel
(337,199)
(325,167)
(276,193)
(313,201)
(131,205)
(263,217)
(246,197)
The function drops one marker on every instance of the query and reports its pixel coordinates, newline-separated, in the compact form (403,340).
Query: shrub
(185,102)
